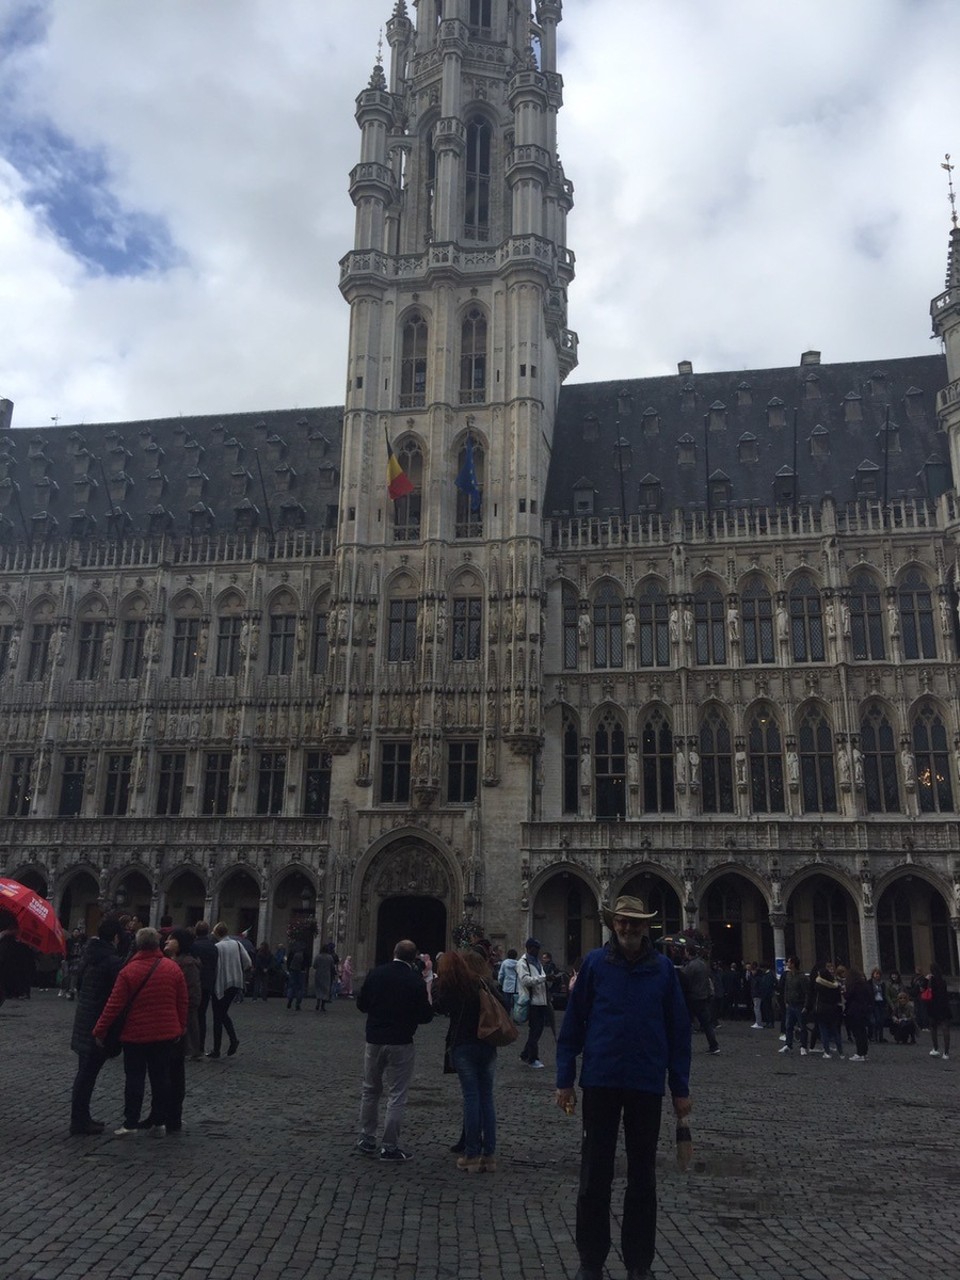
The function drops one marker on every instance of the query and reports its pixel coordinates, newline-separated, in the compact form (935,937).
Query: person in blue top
(628,1018)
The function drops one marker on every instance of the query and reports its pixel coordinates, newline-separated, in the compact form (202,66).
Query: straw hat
(630,908)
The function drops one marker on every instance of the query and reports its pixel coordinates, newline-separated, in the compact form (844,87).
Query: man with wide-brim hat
(628,1019)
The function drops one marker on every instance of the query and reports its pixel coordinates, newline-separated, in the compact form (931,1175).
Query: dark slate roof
(660,425)
(179,475)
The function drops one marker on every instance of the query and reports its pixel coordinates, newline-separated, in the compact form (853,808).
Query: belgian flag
(398,482)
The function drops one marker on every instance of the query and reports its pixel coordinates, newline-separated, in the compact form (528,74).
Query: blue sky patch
(70,188)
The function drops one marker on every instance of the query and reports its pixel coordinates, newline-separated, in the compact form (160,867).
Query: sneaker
(715,1049)
(783,1037)
(945,1057)
(757,1026)
(124,1132)
(366,1147)
(826,1054)
(803,1052)
(470,1164)
(394,1155)
(857,1057)
(934,1053)
(784,1049)
(536,1064)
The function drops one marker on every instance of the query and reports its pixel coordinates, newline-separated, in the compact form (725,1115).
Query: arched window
(476,218)
(757,622)
(570,610)
(806,621)
(406,510)
(92,629)
(831,937)
(866,619)
(473,358)
(879,761)
(765,752)
(571,765)
(895,932)
(229,626)
(282,636)
(469,517)
(934,790)
(716,764)
(652,625)
(710,633)
(656,750)
(413,363)
(480,25)
(401,629)
(916,617)
(607,627)
(609,762)
(818,780)
(186,637)
(466,633)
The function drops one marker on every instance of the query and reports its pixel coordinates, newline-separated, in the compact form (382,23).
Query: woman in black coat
(859,1011)
(96,975)
(938,1012)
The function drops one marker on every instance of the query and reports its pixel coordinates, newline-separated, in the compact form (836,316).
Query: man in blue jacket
(628,1018)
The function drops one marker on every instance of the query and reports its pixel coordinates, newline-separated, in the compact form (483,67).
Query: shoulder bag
(111,1040)
(494,1026)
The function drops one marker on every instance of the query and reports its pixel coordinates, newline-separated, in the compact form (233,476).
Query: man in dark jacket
(96,975)
(394,998)
(628,1017)
(205,949)
(16,961)
(698,987)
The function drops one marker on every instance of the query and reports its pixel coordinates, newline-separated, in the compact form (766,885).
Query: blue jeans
(794,1022)
(475,1064)
(295,987)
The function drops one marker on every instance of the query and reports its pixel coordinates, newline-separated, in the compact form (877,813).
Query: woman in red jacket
(156,992)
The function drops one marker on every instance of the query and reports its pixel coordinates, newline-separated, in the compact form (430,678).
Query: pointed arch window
(916,617)
(473,357)
(709,630)
(765,751)
(757,622)
(806,621)
(402,629)
(866,619)
(610,762)
(933,761)
(480,18)
(407,510)
(477,202)
(607,627)
(469,518)
(831,936)
(571,765)
(879,749)
(281,638)
(467,629)
(413,362)
(818,779)
(653,629)
(656,752)
(570,611)
(895,931)
(716,764)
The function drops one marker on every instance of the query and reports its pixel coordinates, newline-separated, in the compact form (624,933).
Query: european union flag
(467,479)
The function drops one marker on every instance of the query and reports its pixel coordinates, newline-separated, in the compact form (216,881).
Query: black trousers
(139,1061)
(602,1109)
(202,1018)
(537,1021)
(88,1068)
(221,1018)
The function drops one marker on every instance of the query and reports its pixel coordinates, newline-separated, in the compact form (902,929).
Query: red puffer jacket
(159,1012)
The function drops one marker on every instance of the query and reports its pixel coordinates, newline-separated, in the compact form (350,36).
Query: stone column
(869,940)
(778,922)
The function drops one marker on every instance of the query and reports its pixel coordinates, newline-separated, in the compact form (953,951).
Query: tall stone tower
(945,313)
(457,285)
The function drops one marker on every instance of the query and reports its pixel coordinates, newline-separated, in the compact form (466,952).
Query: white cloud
(751,180)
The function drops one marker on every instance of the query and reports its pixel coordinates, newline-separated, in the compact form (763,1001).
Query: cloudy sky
(753,178)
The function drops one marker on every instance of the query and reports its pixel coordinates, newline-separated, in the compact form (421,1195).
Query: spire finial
(945,164)
(380,53)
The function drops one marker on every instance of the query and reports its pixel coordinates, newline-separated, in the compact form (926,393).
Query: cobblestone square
(803,1169)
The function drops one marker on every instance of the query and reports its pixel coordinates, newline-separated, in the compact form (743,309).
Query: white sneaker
(934,1053)
(826,1055)
(803,1052)
(757,1026)
(784,1049)
(945,1057)
(783,1037)
(537,1064)
(858,1058)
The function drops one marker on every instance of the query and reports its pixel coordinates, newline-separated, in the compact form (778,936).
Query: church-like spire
(953,255)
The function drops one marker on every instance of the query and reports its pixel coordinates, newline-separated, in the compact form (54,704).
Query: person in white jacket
(233,961)
(532,984)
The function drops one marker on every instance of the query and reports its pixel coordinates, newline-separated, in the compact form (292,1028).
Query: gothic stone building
(699,641)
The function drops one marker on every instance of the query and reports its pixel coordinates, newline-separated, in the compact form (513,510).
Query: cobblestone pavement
(803,1168)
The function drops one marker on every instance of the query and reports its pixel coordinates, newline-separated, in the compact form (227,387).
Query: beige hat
(631,908)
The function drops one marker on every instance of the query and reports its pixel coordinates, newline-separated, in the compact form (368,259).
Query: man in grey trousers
(394,998)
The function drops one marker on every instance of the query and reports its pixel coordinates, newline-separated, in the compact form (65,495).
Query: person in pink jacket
(156,991)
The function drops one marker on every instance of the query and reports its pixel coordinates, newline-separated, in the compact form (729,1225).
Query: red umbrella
(36,919)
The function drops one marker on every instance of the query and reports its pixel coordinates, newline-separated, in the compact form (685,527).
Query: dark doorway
(422,920)
(726,942)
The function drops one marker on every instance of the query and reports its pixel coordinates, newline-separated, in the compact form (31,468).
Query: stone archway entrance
(422,920)
(407,892)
